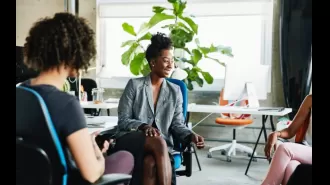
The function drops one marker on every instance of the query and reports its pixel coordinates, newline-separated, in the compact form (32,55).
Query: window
(244,25)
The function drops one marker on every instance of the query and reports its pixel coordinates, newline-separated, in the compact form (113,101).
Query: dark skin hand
(150,131)
(153,132)
(198,140)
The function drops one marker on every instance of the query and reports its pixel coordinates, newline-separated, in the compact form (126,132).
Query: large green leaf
(158,9)
(172,1)
(222,49)
(188,81)
(158,17)
(178,7)
(187,50)
(126,57)
(146,69)
(199,81)
(196,56)
(180,37)
(208,78)
(137,63)
(127,43)
(181,25)
(143,28)
(128,28)
(191,23)
(204,50)
(146,36)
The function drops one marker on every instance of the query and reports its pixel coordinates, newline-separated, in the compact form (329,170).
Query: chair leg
(199,165)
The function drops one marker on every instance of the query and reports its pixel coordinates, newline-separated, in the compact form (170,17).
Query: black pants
(302,175)
(133,142)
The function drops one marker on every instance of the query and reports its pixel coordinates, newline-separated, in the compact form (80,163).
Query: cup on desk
(97,94)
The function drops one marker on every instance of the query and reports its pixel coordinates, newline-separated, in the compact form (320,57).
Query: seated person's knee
(159,144)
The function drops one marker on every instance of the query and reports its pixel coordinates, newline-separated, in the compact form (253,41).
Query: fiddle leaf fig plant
(182,30)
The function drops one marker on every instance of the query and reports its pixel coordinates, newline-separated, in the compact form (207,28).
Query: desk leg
(272,123)
(264,119)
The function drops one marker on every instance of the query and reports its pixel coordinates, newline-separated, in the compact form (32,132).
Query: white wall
(29,11)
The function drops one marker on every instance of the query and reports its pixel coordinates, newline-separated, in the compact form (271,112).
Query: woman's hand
(98,152)
(106,145)
(271,142)
(150,131)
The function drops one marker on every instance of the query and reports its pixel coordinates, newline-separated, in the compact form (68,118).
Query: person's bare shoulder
(308,101)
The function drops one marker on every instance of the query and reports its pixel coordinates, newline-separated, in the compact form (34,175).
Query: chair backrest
(223,102)
(37,141)
(184,92)
(88,85)
(32,164)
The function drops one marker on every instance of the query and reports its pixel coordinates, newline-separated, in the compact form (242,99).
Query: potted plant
(183,30)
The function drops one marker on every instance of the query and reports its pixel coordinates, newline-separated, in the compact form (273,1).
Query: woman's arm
(125,109)
(87,155)
(82,145)
(298,120)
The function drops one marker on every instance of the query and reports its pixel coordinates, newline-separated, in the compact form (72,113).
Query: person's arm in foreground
(86,154)
(291,131)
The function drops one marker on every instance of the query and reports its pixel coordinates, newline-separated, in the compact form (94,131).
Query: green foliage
(182,31)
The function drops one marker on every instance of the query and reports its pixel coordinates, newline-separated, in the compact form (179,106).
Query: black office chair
(40,157)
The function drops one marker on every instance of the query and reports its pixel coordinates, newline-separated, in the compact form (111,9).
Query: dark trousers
(302,175)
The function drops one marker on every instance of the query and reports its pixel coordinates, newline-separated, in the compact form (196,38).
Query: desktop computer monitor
(246,81)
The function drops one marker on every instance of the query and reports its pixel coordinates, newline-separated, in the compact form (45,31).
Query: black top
(64,109)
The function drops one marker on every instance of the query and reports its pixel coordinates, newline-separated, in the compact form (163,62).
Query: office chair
(40,157)
(184,154)
(237,122)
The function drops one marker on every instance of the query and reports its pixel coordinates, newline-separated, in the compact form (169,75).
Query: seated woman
(150,112)
(59,47)
(289,155)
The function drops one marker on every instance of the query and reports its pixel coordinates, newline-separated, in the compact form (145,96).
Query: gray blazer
(136,107)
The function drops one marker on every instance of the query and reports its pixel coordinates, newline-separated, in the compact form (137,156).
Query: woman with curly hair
(58,48)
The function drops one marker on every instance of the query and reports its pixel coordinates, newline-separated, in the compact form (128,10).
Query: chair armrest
(113,179)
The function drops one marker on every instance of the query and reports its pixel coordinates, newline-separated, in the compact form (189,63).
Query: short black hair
(64,39)
(159,42)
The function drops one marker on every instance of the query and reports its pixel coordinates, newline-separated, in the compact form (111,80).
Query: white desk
(110,122)
(211,109)
(230,109)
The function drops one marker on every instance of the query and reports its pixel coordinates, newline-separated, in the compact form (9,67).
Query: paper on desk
(102,119)
(101,123)
(112,100)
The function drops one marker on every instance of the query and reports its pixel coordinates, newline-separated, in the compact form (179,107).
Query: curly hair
(159,42)
(64,39)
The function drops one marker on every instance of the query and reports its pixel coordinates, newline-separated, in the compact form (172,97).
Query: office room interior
(260,51)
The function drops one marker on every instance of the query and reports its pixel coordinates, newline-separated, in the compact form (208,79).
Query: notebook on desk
(275,109)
